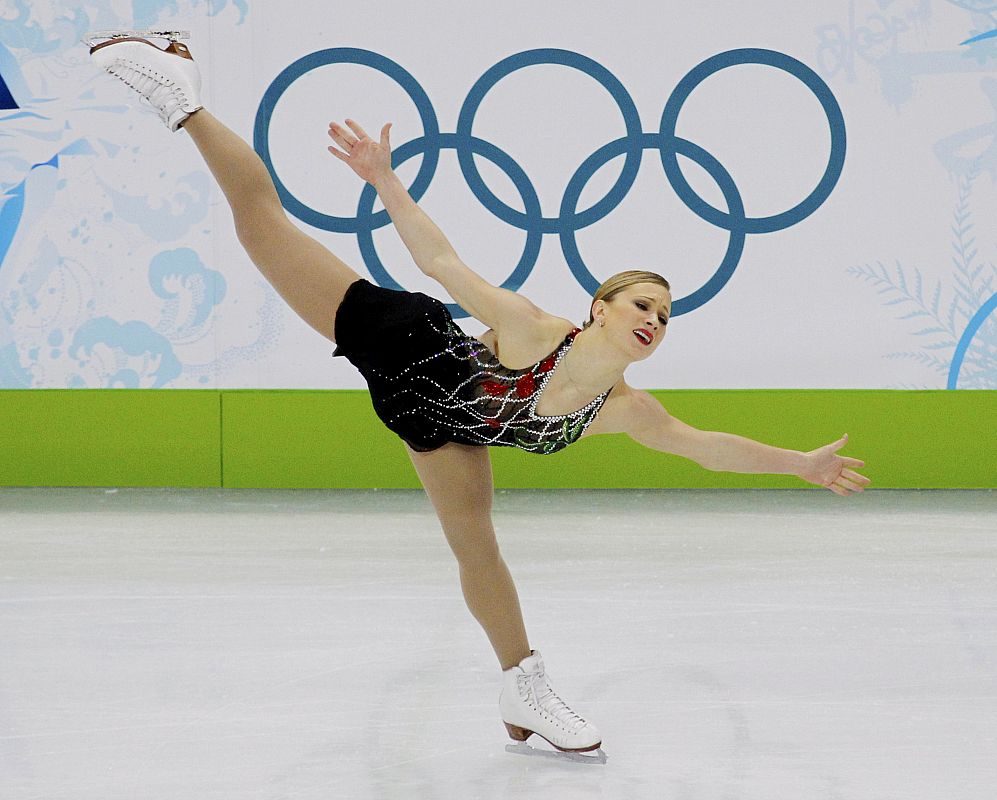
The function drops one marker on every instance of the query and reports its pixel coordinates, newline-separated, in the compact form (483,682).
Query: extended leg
(310,278)
(458,480)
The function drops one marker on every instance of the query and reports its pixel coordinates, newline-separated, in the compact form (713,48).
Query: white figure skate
(168,79)
(530,706)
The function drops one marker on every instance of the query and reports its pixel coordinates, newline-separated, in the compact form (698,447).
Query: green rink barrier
(310,440)
(109,437)
(332,439)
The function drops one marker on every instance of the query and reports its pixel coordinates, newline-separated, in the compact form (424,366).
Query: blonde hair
(620,281)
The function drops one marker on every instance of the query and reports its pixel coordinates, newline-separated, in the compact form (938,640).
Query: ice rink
(314,644)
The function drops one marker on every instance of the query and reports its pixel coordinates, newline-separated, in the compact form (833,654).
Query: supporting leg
(458,480)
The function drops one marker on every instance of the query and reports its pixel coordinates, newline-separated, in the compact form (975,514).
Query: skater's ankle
(192,115)
(518,659)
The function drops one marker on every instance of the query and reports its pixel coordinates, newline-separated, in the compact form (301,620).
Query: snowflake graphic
(960,342)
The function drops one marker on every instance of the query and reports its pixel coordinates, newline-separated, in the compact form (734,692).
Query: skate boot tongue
(533,664)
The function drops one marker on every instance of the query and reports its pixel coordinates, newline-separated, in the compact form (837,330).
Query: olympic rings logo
(570,220)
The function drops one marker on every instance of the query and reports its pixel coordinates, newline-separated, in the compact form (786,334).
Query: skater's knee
(256,222)
(475,548)
(480,556)
(270,241)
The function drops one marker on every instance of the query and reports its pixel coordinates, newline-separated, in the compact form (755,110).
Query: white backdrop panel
(120,265)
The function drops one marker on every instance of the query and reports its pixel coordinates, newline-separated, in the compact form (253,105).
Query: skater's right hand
(367,158)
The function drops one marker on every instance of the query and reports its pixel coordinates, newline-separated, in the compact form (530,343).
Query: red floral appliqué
(494,388)
(547,364)
(526,385)
(492,423)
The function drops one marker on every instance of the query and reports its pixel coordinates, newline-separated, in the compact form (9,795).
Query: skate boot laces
(159,91)
(167,80)
(548,701)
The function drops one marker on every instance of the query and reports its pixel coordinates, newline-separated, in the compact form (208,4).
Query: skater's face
(636,318)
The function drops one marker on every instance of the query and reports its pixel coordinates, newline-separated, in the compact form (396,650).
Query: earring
(602,323)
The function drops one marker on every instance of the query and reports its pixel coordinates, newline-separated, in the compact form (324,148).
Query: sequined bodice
(500,403)
(432,384)
(459,391)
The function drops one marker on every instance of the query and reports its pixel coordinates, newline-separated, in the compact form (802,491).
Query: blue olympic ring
(345,55)
(570,220)
(966,340)
(365,233)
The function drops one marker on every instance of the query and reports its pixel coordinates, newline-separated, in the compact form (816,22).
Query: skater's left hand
(367,158)
(825,468)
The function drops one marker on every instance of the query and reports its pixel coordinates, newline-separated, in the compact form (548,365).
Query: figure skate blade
(93,38)
(591,757)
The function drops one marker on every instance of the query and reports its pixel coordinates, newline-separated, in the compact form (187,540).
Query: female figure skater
(533,380)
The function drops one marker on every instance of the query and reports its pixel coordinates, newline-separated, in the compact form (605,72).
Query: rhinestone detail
(462,393)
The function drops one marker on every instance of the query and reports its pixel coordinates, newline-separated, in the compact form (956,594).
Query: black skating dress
(431,383)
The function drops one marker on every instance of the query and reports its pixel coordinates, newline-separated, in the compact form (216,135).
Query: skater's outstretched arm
(498,308)
(639,414)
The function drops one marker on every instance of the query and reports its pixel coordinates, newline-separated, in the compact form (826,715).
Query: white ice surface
(314,644)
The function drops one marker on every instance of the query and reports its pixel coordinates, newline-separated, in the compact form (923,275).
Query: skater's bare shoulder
(529,336)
